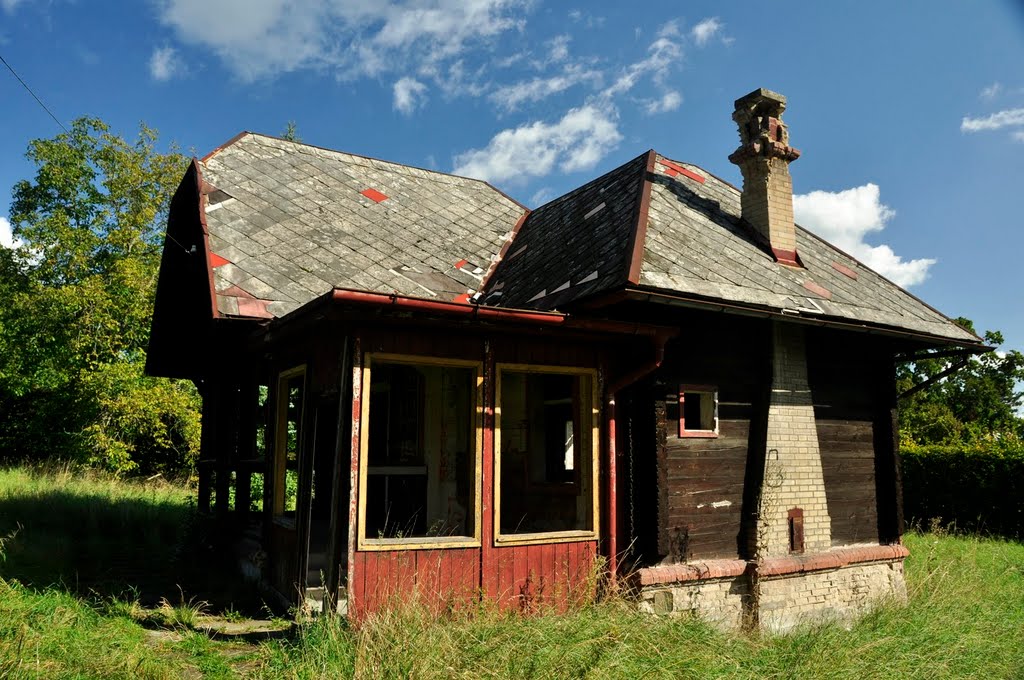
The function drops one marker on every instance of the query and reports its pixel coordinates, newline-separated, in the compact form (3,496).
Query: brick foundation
(779,593)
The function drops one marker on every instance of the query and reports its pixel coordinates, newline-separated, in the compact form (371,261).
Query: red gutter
(490,313)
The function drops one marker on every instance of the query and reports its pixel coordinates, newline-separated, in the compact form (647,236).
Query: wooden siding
(701,505)
(701,480)
(848,466)
(526,577)
(849,375)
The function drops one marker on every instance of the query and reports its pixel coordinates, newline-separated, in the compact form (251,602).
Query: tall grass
(964,619)
(87,530)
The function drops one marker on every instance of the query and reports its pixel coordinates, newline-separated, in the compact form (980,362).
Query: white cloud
(7,239)
(991,91)
(10,5)
(844,218)
(542,196)
(1017,136)
(670,101)
(662,54)
(996,121)
(164,64)
(510,97)
(558,48)
(410,94)
(576,142)
(704,31)
(263,38)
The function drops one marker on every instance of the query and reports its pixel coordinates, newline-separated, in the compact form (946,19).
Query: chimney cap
(764,100)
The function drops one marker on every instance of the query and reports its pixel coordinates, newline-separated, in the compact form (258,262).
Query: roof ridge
(242,134)
(638,237)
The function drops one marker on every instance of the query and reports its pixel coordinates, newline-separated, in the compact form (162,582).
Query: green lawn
(67,611)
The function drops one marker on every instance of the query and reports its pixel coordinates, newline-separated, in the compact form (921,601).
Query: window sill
(503,540)
(698,434)
(419,543)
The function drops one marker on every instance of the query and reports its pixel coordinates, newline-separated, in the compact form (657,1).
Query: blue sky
(910,115)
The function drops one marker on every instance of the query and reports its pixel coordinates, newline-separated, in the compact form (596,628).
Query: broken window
(546,452)
(420,442)
(287,445)
(698,411)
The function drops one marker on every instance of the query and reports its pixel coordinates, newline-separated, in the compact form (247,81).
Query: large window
(288,441)
(419,471)
(546,466)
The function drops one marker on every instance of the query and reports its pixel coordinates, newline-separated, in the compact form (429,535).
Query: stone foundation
(839,585)
(842,594)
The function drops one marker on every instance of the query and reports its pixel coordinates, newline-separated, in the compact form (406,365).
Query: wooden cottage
(415,386)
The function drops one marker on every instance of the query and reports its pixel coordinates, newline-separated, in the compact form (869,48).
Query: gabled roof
(288,222)
(674,228)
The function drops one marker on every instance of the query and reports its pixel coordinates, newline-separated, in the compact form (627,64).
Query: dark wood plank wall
(846,376)
(701,480)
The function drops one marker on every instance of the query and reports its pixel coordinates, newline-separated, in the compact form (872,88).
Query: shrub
(974,488)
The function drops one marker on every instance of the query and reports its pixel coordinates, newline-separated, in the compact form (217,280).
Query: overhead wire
(34,96)
(62,127)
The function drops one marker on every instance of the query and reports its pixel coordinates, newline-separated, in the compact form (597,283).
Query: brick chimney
(763,156)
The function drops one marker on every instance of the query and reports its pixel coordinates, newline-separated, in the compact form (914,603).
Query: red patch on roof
(818,290)
(254,307)
(674,169)
(464,298)
(843,269)
(374,195)
(218,261)
(461,263)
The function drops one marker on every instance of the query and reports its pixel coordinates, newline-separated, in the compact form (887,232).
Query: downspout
(660,340)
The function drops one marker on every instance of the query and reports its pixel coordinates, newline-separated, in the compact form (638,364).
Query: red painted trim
(489,574)
(636,254)
(683,431)
(681,170)
(504,251)
(612,504)
(498,314)
(353,477)
(833,559)
(207,254)
(225,145)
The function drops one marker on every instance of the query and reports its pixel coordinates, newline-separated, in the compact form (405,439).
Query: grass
(965,616)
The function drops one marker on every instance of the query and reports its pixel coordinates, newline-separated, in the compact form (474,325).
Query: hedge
(971,489)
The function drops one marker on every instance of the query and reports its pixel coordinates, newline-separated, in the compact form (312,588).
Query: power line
(40,101)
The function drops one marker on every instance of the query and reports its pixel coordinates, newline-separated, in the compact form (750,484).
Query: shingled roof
(674,228)
(288,222)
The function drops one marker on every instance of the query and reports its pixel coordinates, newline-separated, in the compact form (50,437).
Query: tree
(979,401)
(78,294)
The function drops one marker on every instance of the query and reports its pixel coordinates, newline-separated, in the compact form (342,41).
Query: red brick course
(775,566)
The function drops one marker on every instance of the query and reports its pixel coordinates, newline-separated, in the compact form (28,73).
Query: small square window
(698,411)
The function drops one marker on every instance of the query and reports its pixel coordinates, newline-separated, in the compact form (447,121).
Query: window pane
(421,451)
(546,453)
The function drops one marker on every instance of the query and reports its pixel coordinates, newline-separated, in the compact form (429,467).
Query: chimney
(763,156)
